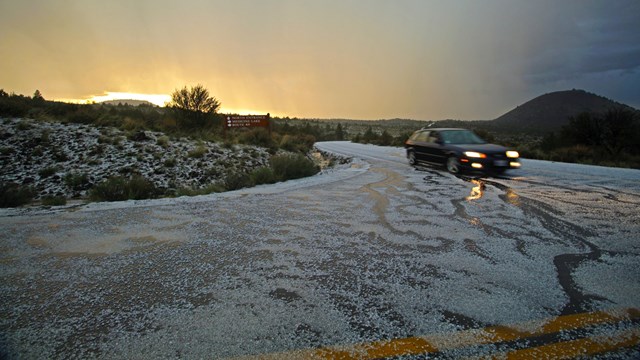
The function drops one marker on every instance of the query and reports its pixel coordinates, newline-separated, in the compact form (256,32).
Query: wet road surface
(370,255)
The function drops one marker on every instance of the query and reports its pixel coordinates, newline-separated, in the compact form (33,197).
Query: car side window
(446,137)
(433,137)
(421,137)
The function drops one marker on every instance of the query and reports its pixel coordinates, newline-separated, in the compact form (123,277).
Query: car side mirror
(439,142)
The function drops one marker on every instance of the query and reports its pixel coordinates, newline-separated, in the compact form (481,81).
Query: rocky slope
(58,159)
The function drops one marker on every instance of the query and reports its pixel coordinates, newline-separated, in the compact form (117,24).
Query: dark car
(459,150)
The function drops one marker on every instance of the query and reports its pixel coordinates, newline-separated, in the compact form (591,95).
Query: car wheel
(412,158)
(453,166)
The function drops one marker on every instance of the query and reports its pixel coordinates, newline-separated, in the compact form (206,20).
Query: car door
(437,149)
(432,149)
(418,143)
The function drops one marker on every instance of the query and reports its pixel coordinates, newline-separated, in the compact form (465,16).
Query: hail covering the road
(369,250)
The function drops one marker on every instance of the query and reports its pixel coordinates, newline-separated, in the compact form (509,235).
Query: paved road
(370,259)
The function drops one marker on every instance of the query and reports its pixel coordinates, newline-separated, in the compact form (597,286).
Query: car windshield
(461,137)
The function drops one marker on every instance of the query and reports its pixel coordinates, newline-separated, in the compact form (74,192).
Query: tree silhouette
(37,96)
(615,131)
(196,99)
(194,106)
(339,132)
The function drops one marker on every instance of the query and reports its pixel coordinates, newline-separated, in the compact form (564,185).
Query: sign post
(242,121)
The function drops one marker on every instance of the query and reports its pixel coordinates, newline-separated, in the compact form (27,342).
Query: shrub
(48,171)
(23,125)
(112,189)
(575,154)
(263,175)
(139,188)
(14,195)
(37,151)
(237,180)
(45,136)
(288,167)
(257,137)
(163,141)
(301,143)
(59,156)
(197,152)
(133,124)
(103,139)
(54,201)
(171,162)
(118,188)
(83,116)
(77,181)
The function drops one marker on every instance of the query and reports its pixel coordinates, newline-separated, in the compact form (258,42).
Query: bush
(263,175)
(23,126)
(197,152)
(112,189)
(140,188)
(54,201)
(301,143)
(48,171)
(257,137)
(171,162)
(76,181)
(288,167)
(118,188)
(163,141)
(237,180)
(573,154)
(14,195)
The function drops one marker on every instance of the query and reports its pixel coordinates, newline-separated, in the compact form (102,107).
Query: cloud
(334,58)
(600,39)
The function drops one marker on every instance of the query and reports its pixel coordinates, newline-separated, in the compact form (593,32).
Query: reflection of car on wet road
(458,150)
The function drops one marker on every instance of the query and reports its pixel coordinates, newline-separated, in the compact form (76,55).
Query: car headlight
(512,154)
(474,154)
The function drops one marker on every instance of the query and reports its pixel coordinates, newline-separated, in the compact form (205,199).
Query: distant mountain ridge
(551,111)
(131,102)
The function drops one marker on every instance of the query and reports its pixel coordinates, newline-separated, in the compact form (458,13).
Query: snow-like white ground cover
(366,251)
(42,155)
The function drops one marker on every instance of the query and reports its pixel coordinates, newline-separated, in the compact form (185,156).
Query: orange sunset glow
(362,59)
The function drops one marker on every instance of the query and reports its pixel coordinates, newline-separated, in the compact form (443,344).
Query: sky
(351,59)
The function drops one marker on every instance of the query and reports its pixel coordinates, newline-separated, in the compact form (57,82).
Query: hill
(127,102)
(551,111)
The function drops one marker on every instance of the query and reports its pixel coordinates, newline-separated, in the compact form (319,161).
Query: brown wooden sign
(240,121)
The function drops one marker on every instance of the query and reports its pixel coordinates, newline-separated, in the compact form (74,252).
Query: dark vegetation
(192,113)
(610,139)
